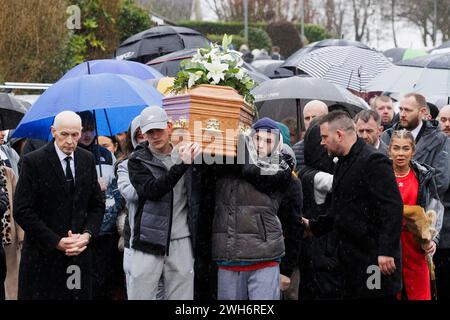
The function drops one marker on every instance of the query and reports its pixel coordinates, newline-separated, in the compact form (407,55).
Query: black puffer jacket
(154,185)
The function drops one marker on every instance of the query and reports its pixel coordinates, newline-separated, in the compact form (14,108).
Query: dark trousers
(2,272)
(108,281)
(442,263)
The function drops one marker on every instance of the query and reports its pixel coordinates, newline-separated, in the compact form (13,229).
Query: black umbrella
(271,68)
(159,41)
(169,65)
(285,99)
(12,111)
(292,61)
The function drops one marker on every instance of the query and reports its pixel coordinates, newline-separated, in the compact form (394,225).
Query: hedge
(312,32)
(211,27)
(258,39)
(286,36)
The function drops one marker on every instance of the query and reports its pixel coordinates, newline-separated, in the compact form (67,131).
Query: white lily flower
(197,57)
(216,70)
(193,77)
(213,54)
(240,75)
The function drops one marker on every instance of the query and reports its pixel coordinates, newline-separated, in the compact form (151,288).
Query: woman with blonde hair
(418,190)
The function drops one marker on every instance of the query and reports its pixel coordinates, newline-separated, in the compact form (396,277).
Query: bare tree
(263,10)
(362,11)
(421,13)
(334,13)
(394,34)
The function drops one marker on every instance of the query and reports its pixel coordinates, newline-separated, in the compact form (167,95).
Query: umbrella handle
(98,147)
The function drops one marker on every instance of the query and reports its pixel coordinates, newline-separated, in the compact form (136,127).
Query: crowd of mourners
(355,208)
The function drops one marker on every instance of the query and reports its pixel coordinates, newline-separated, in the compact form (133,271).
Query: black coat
(366,214)
(318,259)
(45,210)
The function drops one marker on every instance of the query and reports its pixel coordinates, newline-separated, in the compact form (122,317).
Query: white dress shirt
(62,156)
(416,131)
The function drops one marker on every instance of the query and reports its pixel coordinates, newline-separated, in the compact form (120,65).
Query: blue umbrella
(115,100)
(130,68)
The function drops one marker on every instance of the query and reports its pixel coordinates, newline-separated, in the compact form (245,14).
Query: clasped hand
(74,243)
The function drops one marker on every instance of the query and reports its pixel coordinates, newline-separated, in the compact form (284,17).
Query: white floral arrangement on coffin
(216,65)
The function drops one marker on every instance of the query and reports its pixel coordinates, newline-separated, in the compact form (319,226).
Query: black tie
(69,176)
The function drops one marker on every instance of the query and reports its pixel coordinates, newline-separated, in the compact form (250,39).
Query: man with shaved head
(59,205)
(313,109)
(442,256)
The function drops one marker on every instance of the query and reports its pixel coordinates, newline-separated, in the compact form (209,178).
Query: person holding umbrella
(109,278)
(417,188)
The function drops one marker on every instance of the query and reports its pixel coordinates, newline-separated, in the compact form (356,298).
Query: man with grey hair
(444,119)
(369,128)
(366,212)
(59,205)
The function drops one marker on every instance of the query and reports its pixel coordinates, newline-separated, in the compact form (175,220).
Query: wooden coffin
(210,115)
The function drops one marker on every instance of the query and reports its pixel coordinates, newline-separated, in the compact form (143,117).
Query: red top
(415,271)
(409,188)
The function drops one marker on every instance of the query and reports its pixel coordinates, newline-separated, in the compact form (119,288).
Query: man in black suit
(59,205)
(366,212)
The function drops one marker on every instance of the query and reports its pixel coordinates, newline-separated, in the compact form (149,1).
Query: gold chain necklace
(402,176)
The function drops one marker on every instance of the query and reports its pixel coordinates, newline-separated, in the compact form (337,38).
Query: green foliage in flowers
(237,39)
(216,65)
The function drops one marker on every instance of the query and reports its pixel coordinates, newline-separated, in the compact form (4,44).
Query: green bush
(286,36)
(258,39)
(211,27)
(132,19)
(237,40)
(314,32)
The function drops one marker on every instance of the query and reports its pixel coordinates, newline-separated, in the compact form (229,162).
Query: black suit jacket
(45,210)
